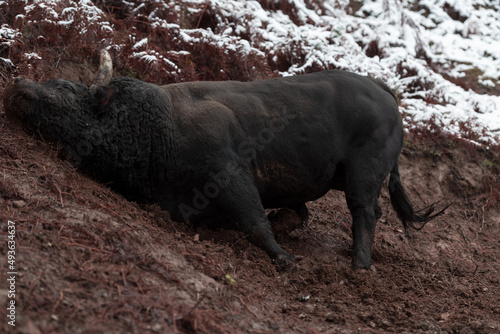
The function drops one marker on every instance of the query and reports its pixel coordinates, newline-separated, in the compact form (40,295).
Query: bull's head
(61,110)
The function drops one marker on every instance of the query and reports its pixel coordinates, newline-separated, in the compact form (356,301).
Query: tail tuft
(404,208)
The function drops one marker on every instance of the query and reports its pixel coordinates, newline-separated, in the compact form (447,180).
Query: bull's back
(338,98)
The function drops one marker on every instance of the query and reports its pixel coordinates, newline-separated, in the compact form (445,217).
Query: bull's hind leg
(363,229)
(241,203)
(362,192)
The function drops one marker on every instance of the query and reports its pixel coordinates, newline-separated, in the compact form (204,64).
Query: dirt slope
(89,261)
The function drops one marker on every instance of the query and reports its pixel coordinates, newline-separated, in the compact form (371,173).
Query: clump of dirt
(89,261)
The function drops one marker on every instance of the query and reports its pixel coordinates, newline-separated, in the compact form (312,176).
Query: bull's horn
(105,70)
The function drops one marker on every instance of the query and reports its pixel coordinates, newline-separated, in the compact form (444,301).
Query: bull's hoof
(362,262)
(370,268)
(284,261)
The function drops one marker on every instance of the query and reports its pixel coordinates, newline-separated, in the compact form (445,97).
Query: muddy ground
(89,261)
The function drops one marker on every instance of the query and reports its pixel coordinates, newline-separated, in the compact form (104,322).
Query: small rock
(274,326)
(18,204)
(444,316)
(303,298)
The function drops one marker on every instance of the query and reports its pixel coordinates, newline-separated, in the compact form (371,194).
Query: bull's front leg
(238,198)
(259,233)
(241,203)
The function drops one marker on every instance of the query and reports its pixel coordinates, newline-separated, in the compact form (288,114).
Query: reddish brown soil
(89,261)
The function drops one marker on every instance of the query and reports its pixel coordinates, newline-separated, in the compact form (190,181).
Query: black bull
(205,149)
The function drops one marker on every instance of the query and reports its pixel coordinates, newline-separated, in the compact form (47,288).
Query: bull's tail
(404,208)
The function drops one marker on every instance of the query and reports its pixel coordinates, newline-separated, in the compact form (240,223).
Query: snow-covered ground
(423,49)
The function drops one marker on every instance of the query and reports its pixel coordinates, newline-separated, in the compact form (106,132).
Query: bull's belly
(279,185)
